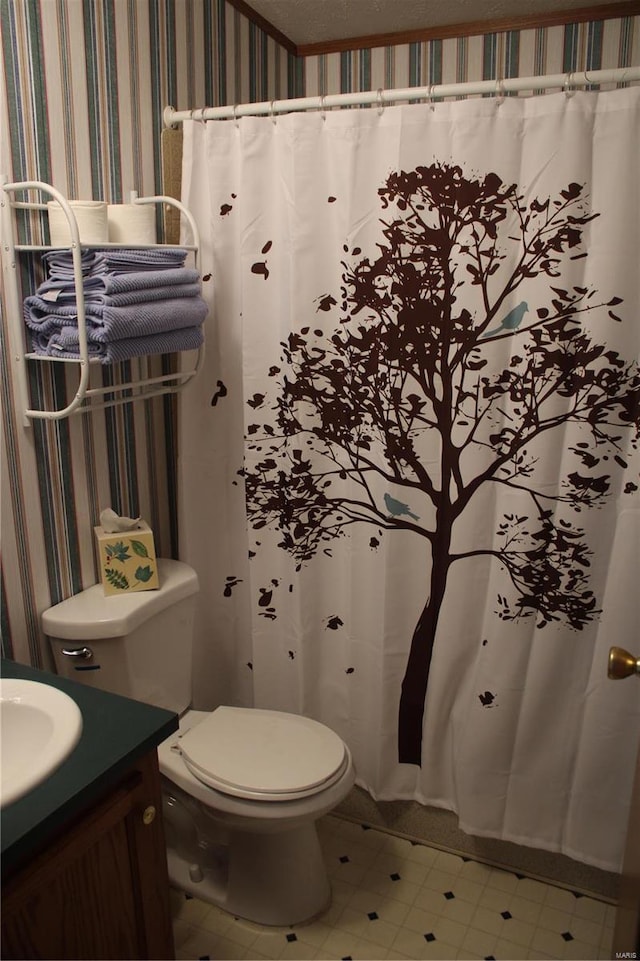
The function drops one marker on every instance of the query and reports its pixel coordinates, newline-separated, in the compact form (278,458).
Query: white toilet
(243,787)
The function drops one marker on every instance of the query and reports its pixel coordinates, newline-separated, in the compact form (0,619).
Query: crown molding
(264,24)
(610,11)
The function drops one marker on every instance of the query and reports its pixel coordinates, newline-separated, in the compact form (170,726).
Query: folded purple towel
(67,298)
(146,285)
(167,342)
(60,263)
(105,323)
(115,260)
(122,261)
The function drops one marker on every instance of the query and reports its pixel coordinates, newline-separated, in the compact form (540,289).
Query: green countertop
(116,732)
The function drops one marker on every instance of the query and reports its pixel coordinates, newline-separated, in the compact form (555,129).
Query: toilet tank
(138,644)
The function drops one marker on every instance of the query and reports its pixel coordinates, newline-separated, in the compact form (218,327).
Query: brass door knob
(149,815)
(622,664)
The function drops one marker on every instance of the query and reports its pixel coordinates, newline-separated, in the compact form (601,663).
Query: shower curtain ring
(568,86)
(322,107)
(272,111)
(235,114)
(430,99)
(499,91)
(380,101)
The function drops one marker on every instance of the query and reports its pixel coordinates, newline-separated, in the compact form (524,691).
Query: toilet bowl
(255,850)
(242,787)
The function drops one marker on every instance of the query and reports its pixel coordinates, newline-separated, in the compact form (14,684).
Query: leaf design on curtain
(221,391)
(410,370)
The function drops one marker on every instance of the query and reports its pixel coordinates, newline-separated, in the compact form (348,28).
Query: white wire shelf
(87,398)
(34,248)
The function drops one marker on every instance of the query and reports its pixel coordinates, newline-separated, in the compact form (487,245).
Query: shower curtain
(409,472)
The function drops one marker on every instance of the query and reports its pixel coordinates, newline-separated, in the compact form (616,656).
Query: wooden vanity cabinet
(100,889)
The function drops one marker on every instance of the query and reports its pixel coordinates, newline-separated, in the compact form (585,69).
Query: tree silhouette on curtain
(411,392)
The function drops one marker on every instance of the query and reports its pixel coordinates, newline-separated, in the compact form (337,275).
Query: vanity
(84,868)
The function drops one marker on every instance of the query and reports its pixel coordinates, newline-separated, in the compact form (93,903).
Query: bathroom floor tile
(190,909)
(591,910)
(394,899)
(216,921)
(508,951)
(296,951)
(270,943)
(182,932)
(206,944)
(525,910)
(242,932)
(369,951)
(478,942)
(451,863)
(386,864)
(314,934)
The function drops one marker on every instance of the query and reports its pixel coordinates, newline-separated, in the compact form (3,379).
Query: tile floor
(396,899)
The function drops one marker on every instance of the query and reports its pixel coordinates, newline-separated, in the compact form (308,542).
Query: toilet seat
(263,755)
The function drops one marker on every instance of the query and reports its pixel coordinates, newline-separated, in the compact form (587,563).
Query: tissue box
(127,560)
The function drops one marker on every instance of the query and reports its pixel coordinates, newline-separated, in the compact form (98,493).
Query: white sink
(39,728)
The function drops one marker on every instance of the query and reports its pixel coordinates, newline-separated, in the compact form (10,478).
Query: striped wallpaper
(83,87)
(523,53)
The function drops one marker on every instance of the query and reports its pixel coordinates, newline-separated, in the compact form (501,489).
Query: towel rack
(86,398)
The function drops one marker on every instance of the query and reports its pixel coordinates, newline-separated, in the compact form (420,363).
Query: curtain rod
(565,81)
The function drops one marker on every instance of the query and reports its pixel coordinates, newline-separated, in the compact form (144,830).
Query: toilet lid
(264,755)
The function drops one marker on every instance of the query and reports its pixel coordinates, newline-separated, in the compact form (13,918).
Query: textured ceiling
(320,21)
